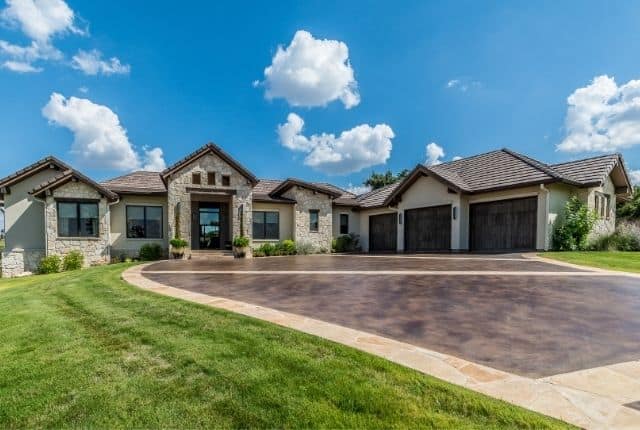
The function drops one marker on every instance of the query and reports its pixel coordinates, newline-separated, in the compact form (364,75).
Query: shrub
(286,247)
(178,243)
(258,253)
(267,249)
(574,226)
(150,252)
(73,261)
(305,248)
(625,238)
(50,264)
(346,243)
(241,241)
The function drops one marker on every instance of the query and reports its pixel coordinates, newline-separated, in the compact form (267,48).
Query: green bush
(73,261)
(286,247)
(346,243)
(50,264)
(625,238)
(305,248)
(241,241)
(573,227)
(178,243)
(150,252)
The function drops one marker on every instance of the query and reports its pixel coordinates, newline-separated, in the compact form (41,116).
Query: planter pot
(177,253)
(241,252)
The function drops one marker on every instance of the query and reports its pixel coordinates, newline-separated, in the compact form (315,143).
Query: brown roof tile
(140,182)
(588,171)
(32,169)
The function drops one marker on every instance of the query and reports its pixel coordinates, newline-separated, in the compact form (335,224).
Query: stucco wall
(285,212)
(96,250)
(364,224)
(181,180)
(307,200)
(354,220)
(24,226)
(120,244)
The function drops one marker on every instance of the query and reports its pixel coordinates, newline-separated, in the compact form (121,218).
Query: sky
(319,90)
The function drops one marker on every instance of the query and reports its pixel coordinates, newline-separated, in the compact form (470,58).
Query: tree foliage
(379,180)
(631,208)
(574,226)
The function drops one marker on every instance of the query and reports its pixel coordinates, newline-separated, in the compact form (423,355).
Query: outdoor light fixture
(455,212)
(400,219)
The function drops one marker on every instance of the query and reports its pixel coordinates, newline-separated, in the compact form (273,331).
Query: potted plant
(177,247)
(240,246)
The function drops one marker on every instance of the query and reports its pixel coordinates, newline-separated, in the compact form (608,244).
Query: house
(498,201)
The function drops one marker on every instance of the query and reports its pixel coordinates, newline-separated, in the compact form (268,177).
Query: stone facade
(96,250)
(21,262)
(309,200)
(179,196)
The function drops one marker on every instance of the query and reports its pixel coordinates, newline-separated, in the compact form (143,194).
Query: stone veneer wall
(308,200)
(96,250)
(21,261)
(181,180)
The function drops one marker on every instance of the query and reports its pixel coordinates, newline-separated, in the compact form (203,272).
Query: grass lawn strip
(85,349)
(609,260)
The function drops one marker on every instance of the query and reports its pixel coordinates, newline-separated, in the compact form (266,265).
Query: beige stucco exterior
(120,244)
(354,220)
(285,216)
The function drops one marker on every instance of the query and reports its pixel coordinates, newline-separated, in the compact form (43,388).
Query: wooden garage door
(383,232)
(427,229)
(505,225)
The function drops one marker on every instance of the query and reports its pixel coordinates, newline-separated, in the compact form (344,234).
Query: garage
(427,229)
(505,225)
(383,236)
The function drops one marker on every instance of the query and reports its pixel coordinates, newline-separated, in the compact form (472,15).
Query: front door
(209,221)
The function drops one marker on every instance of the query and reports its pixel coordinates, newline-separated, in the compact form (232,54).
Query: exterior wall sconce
(400,218)
(454,213)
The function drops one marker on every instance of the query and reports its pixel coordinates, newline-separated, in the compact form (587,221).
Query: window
(266,225)
(226,180)
(602,205)
(144,222)
(77,219)
(314,219)
(211,178)
(195,179)
(344,224)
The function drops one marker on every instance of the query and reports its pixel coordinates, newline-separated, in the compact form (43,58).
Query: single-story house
(497,201)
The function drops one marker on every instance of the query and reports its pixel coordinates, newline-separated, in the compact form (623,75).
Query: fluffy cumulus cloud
(99,138)
(91,63)
(40,19)
(312,72)
(456,158)
(351,151)
(358,189)
(434,154)
(20,67)
(603,117)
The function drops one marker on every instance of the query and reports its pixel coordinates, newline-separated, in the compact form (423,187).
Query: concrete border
(567,397)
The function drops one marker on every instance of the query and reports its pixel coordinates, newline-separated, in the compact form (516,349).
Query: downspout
(544,192)
(109,213)
(46,236)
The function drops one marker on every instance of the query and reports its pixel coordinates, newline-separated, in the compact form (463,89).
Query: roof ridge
(469,157)
(543,167)
(612,154)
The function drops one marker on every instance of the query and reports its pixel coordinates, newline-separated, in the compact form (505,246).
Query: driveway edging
(575,406)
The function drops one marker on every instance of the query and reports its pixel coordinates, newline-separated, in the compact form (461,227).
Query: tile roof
(263,189)
(333,192)
(377,198)
(140,182)
(590,170)
(68,175)
(33,168)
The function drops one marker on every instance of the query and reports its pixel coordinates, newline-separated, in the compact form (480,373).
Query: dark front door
(383,233)
(209,222)
(427,229)
(505,225)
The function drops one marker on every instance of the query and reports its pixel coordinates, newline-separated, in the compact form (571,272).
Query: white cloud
(452,83)
(83,90)
(602,117)
(40,19)
(99,138)
(312,72)
(434,154)
(456,158)
(634,176)
(463,84)
(20,67)
(91,63)
(351,151)
(30,53)
(154,160)
(358,189)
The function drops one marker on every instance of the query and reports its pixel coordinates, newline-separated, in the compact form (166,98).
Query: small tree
(379,180)
(631,208)
(574,226)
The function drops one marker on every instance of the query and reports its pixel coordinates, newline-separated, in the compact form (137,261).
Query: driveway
(522,316)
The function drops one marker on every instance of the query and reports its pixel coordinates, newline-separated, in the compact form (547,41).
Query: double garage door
(505,225)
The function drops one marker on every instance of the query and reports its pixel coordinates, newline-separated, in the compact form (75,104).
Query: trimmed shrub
(241,241)
(346,243)
(574,226)
(150,252)
(305,248)
(73,261)
(267,249)
(50,264)
(286,247)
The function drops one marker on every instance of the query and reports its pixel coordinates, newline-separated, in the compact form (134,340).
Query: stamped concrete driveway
(522,316)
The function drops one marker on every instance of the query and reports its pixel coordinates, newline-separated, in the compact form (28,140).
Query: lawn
(85,349)
(611,260)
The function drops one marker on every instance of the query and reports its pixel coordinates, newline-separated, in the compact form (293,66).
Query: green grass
(85,349)
(610,260)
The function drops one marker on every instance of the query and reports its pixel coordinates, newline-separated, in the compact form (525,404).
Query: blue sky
(467,76)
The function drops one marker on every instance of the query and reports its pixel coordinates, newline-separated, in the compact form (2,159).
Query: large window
(314,220)
(344,223)
(602,205)
(144,222)
(77,219)
(266,225)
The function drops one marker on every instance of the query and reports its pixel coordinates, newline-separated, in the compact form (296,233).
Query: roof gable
(594,171)
(49,162)
(209,148)
(292,182)
(67,176)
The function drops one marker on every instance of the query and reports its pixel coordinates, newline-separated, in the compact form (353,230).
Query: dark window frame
(346,230)
(226,180)
(312,228)
(78,203)
(264,236)
(211,178)
(199,178)
(126,221)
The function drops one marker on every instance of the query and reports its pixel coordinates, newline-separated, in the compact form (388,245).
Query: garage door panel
(383,232)
(504,225)
(428,229)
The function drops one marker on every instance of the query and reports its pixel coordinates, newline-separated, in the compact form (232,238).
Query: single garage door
(383,232)
(505,225)
(427,229)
